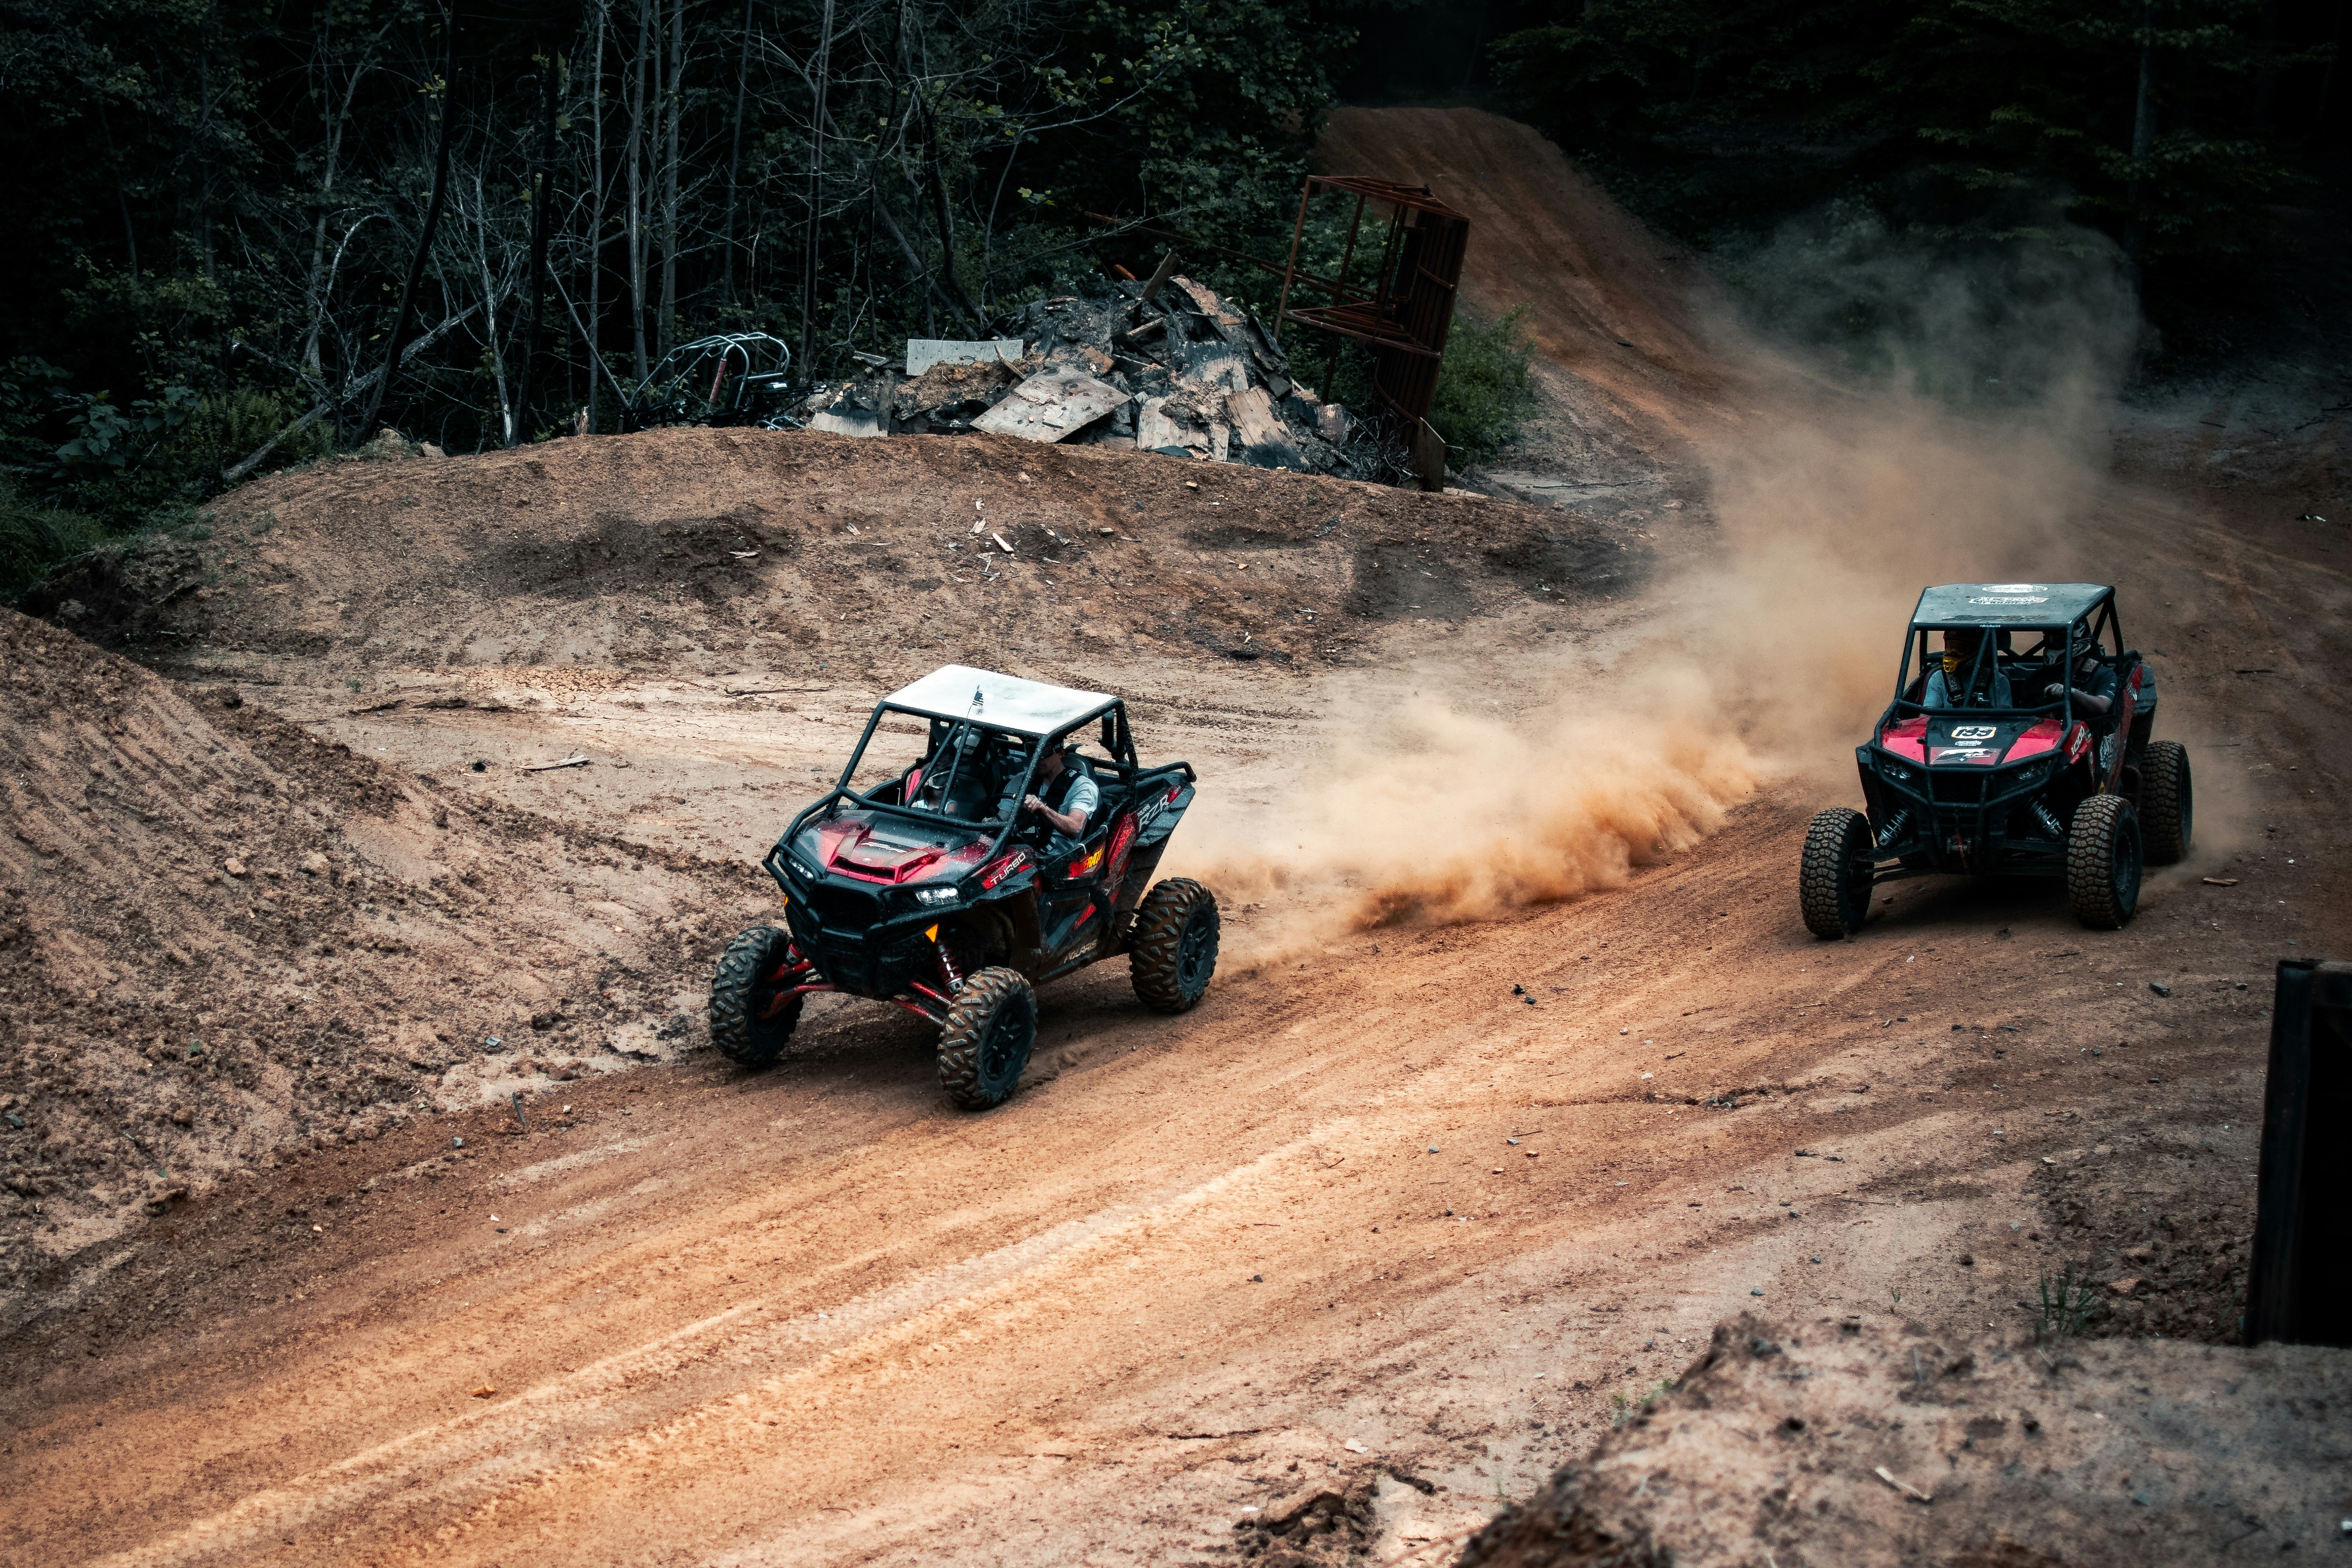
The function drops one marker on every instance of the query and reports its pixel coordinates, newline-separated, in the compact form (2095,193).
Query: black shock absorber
(948,968)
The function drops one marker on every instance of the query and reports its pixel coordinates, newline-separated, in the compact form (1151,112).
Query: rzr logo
(1972,731)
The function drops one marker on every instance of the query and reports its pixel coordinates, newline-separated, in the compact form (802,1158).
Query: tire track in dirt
(1053,1288)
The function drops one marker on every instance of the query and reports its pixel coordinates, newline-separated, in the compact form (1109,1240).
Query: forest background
(229,218)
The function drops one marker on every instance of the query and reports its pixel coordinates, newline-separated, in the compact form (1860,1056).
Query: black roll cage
(1115,738)
(1993,643)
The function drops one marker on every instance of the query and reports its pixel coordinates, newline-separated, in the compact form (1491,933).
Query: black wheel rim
(1003,1048)
(1196,955)
(2124,874)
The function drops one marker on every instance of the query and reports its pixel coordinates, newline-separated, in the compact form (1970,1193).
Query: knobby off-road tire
(2103,862)
(741,994)
(2168,808)
(1174,949)
(1834,881)
(984,1045)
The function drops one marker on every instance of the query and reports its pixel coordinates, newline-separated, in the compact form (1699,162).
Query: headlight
(1896,771)
(800,868)
(936,895)
(2031,774)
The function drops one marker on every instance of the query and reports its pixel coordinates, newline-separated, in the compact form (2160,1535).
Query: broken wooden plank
(1258,425)
(851,422)
(1051,406)
(924,353)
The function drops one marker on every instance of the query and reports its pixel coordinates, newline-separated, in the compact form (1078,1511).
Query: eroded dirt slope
(223,940)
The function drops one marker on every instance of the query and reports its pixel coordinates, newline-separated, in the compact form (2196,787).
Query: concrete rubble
(1187,372)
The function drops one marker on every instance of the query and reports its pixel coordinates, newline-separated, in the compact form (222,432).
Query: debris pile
(1178,369)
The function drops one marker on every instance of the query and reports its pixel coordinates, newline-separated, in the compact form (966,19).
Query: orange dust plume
(1428,811)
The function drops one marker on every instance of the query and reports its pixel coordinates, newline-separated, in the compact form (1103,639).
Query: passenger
(1954,683)
(957,776)
(1066,794)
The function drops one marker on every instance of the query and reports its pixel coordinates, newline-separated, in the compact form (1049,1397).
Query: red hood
(887,852)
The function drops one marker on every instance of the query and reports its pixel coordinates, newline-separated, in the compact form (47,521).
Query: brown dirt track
(1198,1267)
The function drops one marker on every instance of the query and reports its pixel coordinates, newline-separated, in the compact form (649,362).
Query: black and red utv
(920,880)
(2018,748)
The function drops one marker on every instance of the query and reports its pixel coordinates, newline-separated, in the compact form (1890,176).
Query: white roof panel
(1005,702)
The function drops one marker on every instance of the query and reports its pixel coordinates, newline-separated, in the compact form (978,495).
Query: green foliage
(226,425)
(2068,1304)
(34,538)
(1486,386)
(1983,121)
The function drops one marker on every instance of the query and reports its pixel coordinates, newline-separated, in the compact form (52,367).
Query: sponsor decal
(2009,599)
(2010,587)
(1972,731)
(1962,754)
(2078,742)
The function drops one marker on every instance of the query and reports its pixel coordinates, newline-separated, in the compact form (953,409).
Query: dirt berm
(697,550)
(224,943)
(1842,1442)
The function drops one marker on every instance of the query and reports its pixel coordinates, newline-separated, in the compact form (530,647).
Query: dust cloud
(1533,773)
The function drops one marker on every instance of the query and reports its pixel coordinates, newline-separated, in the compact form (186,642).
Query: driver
(1066,792)
(1949,685)
(2094,686)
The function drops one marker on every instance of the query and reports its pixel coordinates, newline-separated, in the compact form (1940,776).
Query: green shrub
(34,538)
(229,426)
(1486,387)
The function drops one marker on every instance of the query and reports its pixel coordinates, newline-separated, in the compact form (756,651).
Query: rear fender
(1161,797)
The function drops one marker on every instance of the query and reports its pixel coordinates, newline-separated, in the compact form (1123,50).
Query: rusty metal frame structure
(1405,318)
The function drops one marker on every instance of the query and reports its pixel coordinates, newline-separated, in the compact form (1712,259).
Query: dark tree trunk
(735,163)
(2143,138)
(543,198)
(400,321)
(816,195)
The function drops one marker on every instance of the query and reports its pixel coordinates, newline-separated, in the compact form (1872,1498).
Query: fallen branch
(767,691)
(579,762)
(237,470)
(378,708)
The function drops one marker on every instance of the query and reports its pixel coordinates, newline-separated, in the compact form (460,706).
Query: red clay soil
(1379,1235)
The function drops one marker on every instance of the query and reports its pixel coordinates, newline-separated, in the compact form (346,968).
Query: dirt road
(1413,1207)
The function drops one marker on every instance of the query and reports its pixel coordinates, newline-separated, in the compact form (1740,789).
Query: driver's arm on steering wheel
(1073,823)
(2090,702)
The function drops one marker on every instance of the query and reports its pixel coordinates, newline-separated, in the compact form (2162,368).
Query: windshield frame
(1915,643)
(941,732)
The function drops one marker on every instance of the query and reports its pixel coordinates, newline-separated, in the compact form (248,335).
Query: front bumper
(1969,818)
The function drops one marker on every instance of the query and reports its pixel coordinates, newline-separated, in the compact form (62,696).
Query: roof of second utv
(998,701)
(2006,604)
